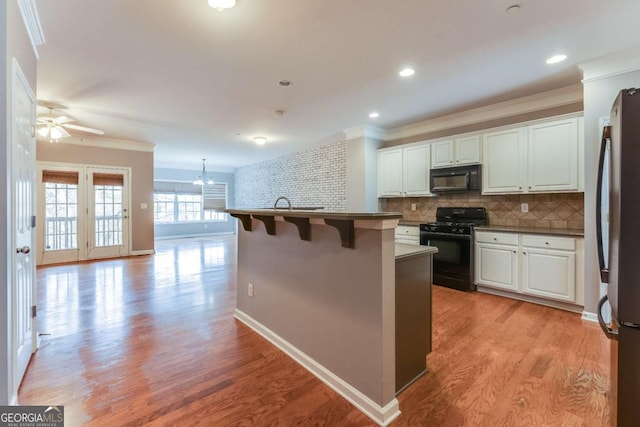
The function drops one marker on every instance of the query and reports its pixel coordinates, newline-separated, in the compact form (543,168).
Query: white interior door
(108,212)
(24,336)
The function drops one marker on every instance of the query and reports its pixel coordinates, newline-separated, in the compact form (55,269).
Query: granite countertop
(528,230)
(318,214)
(404,250)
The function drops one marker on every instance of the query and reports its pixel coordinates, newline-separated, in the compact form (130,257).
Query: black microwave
(459,178)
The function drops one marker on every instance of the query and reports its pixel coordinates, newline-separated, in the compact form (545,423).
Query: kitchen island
(321,287)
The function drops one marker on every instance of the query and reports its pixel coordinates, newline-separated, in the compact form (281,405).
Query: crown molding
(542,101)
(611,65)
(365,131)
(29,12)
(115,144)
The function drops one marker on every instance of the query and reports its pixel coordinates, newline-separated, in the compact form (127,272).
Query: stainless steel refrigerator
(619,252)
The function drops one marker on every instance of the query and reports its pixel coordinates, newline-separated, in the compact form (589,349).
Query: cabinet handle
(458,161)
(546,243)
(515,252)
(529,187)
(495,239)
(524,253)
(519,188)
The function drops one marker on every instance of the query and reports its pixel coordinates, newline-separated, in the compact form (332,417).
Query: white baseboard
(383,416)
(145,252)
(590,317)
(530,298)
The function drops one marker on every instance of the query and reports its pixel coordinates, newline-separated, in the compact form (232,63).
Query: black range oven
(452,234)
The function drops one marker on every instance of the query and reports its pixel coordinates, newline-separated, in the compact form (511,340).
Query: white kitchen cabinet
(497,260)
(409,234)
(504,161)
(541,266)
(404,171)
(455,152)
(390,173)
(553,156)
(549,274)
(542,157)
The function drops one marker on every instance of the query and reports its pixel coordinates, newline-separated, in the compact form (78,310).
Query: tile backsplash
(559,210)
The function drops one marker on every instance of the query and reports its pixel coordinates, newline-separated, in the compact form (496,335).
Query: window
(60,210)
(164,205)
(179,202)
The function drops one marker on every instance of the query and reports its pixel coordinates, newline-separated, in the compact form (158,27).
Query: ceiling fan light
(56,133)
(222,4)
(43,131)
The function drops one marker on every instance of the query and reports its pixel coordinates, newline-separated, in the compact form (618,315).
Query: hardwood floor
(152,341)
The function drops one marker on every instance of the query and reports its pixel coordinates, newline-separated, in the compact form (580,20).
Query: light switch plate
(143,206)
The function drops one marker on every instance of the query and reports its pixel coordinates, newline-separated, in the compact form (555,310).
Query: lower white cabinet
(497,266)
(531,264)
(409,234)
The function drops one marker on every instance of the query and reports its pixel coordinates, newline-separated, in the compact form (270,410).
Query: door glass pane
(61,216)
(108,208)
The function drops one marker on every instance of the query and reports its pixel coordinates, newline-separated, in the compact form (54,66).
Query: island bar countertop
(317,214)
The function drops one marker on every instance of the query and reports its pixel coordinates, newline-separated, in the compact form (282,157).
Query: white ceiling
(201,83)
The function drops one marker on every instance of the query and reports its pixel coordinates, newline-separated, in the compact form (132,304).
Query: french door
(83,212)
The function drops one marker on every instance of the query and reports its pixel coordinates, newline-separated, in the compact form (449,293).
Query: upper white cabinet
(455,152)
(553,156)
(542,157)
(404,171)
(504,163)
(390,172)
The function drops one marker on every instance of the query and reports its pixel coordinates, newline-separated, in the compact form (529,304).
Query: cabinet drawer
(407,230)
(409,240)
(497,238)
(549,242)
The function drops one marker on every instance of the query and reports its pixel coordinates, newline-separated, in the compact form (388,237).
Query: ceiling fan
(48,125)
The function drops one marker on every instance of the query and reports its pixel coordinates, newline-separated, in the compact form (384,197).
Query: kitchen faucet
(275,205)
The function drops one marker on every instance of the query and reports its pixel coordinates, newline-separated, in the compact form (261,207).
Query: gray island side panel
(335,304)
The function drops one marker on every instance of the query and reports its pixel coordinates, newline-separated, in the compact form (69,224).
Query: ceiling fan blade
(63,119)
(84,129)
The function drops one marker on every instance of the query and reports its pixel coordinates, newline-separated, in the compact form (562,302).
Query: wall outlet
(250,290)
(413,206)
(524,207)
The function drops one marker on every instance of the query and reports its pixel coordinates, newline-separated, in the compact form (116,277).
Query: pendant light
(203,179)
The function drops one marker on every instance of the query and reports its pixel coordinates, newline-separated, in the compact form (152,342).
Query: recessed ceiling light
(260,140)
(556,58)
(284,83)
(407,72)
(374,115)
(222,4)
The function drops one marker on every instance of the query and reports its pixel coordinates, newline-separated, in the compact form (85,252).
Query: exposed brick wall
(314,177)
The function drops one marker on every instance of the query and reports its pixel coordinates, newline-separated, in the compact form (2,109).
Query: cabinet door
(390,173)
(467,150)
(504,162)
(416,171)
(442,154)
(549,273)
(553,156)
(497,266)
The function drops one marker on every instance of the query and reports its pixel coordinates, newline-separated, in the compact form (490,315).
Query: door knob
(23,250)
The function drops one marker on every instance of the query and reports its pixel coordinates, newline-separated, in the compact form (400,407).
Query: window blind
(176,187)
(214,196)
(60,177)
(108,179)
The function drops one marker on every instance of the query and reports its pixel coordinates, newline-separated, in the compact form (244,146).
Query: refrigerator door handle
(606,136)
(611,333)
